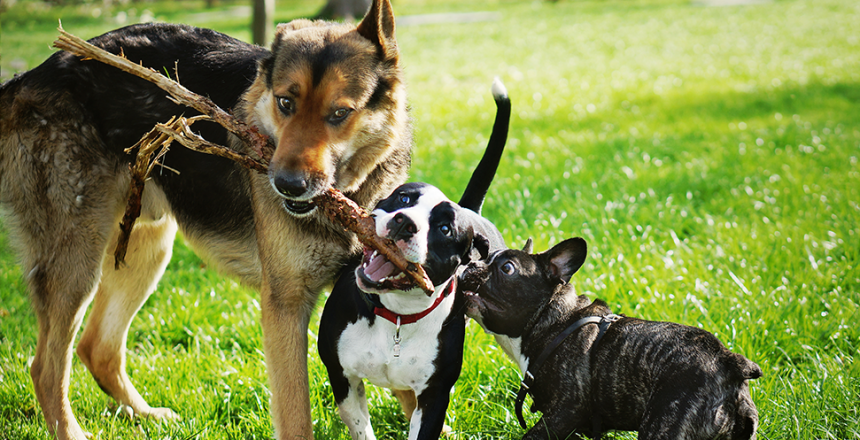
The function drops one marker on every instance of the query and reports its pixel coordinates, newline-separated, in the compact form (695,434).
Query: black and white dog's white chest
(397,357)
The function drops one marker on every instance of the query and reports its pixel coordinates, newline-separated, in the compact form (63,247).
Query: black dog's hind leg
(556,426)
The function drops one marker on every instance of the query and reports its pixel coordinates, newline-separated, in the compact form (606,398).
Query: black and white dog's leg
(428,420)
(351,400)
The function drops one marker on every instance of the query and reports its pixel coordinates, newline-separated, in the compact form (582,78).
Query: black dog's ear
(529,246)
(566,258)
(482,245)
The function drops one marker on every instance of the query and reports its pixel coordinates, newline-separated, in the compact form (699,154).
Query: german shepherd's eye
(339,115)
(287,105)
(509,268)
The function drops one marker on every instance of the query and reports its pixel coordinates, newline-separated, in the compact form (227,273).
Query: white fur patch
(415,424)
(367,351)
(513,348)
(498,88)
(353,411)
(263,114)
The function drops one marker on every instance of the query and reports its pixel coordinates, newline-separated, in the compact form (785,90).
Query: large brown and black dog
(332,98)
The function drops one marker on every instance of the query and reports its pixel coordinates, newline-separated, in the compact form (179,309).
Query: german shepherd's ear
(565,258)
(378,27)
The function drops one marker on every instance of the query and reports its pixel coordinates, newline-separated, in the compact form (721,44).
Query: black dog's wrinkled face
(430,230)
(504,292)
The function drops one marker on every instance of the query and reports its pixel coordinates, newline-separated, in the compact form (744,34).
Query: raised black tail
(482,177)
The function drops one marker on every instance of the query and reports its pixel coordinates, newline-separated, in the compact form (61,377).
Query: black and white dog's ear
(529,246)
(482,245)
(565,258)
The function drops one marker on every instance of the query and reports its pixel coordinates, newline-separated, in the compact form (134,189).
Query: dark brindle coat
(667,381)
(329,95)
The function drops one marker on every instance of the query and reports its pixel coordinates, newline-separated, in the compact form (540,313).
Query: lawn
(708,154)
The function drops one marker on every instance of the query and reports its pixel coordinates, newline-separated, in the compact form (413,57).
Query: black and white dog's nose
(402,227)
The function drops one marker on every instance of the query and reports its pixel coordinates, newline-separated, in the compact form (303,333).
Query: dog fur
(332,98)
(360,329)
(667,381)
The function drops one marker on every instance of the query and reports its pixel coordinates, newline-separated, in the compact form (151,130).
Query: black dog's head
(504,293)
(430,230)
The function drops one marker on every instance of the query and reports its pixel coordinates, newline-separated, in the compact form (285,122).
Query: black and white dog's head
(433,231)
(430,230)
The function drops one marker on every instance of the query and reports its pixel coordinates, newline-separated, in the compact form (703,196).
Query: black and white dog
(377,325)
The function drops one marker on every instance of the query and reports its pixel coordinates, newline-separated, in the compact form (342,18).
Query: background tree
(262,25)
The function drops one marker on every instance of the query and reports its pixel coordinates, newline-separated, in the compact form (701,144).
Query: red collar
(409,319)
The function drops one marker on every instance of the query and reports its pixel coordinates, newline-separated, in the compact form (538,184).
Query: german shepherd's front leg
(298,257)
(286,313)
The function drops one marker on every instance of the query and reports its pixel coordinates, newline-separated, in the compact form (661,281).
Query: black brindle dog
(665,380)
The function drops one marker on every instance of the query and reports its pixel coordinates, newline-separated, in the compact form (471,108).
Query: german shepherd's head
(332,98)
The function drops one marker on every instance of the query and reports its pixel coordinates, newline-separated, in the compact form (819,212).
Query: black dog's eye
(339,115)
(287,105)
(445,229)
(404,198)
(509,268)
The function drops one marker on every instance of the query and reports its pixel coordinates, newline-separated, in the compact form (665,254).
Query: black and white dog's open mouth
(377,273)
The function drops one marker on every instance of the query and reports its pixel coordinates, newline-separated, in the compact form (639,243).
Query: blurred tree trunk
(263,26)
(344,9)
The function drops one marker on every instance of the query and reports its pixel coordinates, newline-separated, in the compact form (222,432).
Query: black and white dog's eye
(445,229)
(404,199)
(509,268)
(287,105)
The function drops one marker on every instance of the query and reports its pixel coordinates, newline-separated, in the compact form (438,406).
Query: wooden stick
(334,204)
(140,171)
(192,141)
(248,134)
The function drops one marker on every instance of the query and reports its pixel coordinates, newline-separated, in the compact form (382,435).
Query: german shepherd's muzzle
(332,98)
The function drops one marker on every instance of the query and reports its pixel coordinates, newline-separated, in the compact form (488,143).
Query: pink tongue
(379,268)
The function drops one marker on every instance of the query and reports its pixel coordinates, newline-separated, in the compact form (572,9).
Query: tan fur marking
(408,401)
(120,295)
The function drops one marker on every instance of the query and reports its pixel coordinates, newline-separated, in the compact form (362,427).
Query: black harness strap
(603,323)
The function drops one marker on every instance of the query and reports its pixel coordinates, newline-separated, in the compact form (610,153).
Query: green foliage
(709,156)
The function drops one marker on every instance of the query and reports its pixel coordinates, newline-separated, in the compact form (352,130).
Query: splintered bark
(140,169)
(180,131)
(336,206)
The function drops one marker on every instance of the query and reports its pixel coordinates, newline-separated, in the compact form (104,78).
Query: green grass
(709,156)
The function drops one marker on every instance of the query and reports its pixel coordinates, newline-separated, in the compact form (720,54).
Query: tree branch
(248,134)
